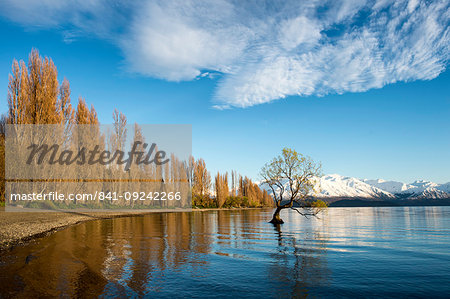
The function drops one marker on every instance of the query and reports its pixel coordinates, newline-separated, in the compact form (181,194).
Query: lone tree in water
(291,178)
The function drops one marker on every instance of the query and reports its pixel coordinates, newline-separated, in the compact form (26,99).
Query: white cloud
(299,32)
(264,51)
(168,41)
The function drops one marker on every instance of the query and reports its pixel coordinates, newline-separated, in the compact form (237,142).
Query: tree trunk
(276,217)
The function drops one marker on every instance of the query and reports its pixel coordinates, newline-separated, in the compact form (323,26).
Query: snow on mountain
(444,187)
(430,193)
(422,185)
(418,190)
(335,185)
(388,186)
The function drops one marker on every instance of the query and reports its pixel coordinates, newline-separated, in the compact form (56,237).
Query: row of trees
(36,97)
(242,192)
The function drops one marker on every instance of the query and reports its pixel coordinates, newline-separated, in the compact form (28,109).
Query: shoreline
(20,228)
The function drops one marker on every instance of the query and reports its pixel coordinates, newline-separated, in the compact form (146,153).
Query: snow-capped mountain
(418,190)
(337,186)
(445,187)
(388,186)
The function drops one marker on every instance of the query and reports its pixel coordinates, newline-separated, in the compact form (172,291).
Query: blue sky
(360,86)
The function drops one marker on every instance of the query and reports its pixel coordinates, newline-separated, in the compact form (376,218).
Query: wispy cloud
(264,50)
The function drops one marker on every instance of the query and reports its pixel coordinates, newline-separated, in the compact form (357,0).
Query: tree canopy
(291,177)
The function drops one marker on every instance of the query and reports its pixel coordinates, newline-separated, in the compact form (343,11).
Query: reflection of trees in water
(158,245)
(122,256)
(138,256)
(299,264)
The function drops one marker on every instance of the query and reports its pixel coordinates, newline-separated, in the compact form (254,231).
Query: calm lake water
(389,252)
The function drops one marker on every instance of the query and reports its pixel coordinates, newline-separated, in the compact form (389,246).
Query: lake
(389,252)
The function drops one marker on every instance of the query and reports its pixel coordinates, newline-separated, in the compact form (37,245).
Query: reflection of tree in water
(160,245)
(166,253)
(299,265)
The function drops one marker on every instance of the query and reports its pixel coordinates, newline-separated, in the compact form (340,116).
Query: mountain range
(335,185)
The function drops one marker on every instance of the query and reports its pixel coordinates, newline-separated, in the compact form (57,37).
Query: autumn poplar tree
(34,94)
(202,179)
(222,189)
